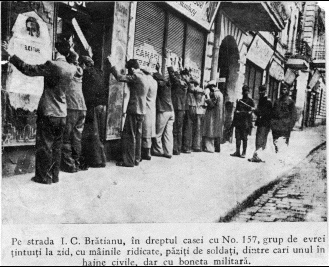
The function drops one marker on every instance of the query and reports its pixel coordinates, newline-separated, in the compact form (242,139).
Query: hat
(262,88)
(211,83)
(184,72)
(245,88)
(87,60)
(195,82)
(132,63)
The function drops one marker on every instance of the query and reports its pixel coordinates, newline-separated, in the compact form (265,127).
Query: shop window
(87,28)
(253,78)
(273,89)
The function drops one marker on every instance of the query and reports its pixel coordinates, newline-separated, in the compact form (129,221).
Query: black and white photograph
(150,113)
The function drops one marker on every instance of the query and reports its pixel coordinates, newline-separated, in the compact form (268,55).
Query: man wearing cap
(149,123)
(199,117)
(190,115)
(96,97)
(242,121)
(284,116)
(76,114)
(163,143)
(213,121)
(136,110)
(179,88)
(263,122)
(52,110)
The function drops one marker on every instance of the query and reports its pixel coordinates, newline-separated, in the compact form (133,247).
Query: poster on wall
(32,43)
(147,56)
(118,59)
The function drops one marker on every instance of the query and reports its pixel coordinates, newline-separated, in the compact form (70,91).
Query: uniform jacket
(74,96)
(149,123)
(178,89)
(284,115)
(243,118)
(163,102)
(94,88)
(264,112)
(58,75)
(138,85)
(190,98)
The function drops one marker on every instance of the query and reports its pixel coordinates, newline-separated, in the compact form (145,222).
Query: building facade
(249,43)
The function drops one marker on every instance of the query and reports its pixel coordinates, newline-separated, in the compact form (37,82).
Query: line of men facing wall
(163,117)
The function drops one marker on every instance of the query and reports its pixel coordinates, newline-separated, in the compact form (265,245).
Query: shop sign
(147,56)
(31,43)
(202,12)
(276,71)
(315,78)
(260,52)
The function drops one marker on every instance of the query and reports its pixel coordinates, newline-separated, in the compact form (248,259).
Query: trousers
(189,120)
(71,150)
(178,130)
(132,139)
(163,142)
(49,140)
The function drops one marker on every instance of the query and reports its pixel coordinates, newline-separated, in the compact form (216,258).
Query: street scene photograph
(163,112)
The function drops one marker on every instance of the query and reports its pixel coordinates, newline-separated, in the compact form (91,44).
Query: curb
(262,190)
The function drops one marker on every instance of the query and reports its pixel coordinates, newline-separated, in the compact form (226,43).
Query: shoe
(121,164)
(146,157)
(34,179)
(253,159)
(235,154)
(186,151)
(56,180)
(82,168)
(167,156)
(69,170)
(243,155)
(176,153)
(100,165)
(197,150)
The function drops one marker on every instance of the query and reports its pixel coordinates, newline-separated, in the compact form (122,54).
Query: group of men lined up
(163,117)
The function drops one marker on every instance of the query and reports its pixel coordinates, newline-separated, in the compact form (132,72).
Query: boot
(146,153)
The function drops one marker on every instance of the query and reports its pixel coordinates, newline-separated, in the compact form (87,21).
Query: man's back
(139,86)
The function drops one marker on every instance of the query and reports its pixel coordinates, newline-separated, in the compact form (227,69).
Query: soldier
(242,121)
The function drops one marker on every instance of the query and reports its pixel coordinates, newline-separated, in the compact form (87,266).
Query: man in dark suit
(136,110)
(52,110)
(179,88)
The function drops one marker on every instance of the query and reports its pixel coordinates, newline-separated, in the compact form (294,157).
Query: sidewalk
(191,188)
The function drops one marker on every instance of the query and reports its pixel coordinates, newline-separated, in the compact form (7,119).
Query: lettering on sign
(146,54)
(195,71)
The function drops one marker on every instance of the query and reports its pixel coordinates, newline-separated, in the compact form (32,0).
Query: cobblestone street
(300,195)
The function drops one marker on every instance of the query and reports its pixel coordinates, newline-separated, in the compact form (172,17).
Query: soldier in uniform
(242,121)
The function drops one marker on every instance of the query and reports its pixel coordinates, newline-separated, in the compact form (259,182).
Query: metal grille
(150,25)
(175,35)
(195,46)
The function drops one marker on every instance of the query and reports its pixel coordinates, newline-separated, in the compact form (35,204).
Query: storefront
(163,32)
(96,29)
(275,77)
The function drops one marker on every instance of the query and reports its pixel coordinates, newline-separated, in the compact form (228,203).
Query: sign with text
(194,69)
(202,12)
(118,59)
(147,56)
(260,52)
(31,43)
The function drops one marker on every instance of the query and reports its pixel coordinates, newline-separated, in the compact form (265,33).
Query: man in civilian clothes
(76,114)
(163,143)
(179,88)
(284,116)
(136,110)
(96,96)
(263,122)
(52,110)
